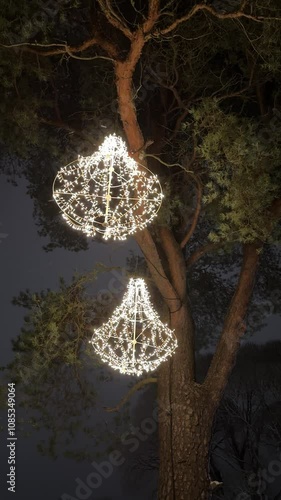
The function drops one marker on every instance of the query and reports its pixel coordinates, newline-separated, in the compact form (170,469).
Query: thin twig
(168,164)
(201,251)
(135,388)
(219,15)
(64,48)
(114,19)
(196,214)
(65,126)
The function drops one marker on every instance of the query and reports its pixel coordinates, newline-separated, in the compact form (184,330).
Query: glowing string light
(107,193)
(134,340)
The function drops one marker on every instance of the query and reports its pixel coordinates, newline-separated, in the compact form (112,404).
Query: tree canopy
(207,93)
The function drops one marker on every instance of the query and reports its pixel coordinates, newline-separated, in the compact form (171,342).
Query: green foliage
(176,205)
(50,360)
(242,160)
(55,330)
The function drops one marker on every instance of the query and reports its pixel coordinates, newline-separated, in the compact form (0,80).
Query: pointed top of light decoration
(134,340)
(107,193)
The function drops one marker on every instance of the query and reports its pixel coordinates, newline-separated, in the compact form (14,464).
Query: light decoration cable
(107,192)
(134,340)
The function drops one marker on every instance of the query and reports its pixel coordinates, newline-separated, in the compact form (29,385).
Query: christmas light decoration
(134,339)
(107,192)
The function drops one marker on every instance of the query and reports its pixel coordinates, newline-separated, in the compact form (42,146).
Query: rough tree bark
(187,409)
(185,422)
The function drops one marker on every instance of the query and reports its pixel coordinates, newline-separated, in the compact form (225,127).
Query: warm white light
(134,339)
(107,193)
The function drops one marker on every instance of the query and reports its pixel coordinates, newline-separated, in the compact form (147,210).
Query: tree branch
(219,15)
(124,71)
(135,388)
(196,214)
(200,252)
(179,121)
(181,317)
(114,19)
(153,15)
(234,326)
(150,252)
(61,48)
(89,58)
(175,260)
(241,91)
(62,125)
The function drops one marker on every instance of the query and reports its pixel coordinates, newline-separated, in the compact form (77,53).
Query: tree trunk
(186,409)
(184,437)
(185,422)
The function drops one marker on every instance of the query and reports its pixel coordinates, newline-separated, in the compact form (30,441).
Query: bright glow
(107,193)
(134,340)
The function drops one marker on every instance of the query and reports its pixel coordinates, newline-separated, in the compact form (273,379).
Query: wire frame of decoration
(134,340)
(107,193)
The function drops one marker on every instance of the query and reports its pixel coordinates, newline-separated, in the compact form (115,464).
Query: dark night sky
(24,264)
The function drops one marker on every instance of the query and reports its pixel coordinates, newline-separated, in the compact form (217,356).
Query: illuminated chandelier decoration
(134,340)
(107,193)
